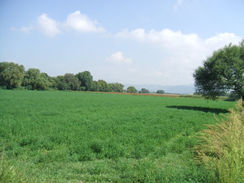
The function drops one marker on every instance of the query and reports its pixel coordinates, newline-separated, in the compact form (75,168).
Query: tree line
(13,75)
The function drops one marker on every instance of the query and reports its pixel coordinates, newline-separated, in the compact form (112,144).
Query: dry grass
(222,148)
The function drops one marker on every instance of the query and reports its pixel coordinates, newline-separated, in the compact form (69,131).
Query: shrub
(160,91)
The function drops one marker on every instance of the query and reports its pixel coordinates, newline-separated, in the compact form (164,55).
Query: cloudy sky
(154,42)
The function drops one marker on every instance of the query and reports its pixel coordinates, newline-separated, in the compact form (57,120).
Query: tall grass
(6,171)
(222,148)
(10,174)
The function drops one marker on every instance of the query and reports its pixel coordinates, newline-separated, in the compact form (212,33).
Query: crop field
(57,136)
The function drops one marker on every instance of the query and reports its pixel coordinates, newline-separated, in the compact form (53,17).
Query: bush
(131,89)
(160,91)
(144,90)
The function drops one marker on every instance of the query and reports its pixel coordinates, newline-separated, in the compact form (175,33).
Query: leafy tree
(110,86)
(102,86)
(35,80)
(11,74)
(116,87)
(85,79)
(53,82)
(222,72)
(72,82)
(144,90)
(61,84)
(131,89)
(94,86)
(160,91)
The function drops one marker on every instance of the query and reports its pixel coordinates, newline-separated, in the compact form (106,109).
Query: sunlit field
(57,136)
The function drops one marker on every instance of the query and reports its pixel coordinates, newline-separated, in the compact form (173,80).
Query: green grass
(54,136)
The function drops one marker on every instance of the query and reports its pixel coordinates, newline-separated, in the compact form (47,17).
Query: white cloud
(222,39)
(166,36)
(118,58)
(82,23)
(74,21)
(181,53)
(48,26)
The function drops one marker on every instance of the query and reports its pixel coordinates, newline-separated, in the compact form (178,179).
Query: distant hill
(177,89)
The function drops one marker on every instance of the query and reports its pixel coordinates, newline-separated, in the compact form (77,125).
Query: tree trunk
(242,100)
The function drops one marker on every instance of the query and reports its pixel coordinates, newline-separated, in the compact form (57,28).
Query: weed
(222,148)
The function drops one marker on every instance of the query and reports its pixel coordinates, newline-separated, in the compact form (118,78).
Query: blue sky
(135,42)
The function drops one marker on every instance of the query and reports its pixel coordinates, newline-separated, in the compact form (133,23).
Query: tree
(131,89)
(53,82)
(94,86)
(102,86)
(72,82)
(85,79)
(35,80)
(160,91)
(144,90)
(222,72)
(116,87)
(61,84)
(11,74)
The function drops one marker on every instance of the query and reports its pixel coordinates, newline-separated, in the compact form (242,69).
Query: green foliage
(116,87)
(222,72)
(131,89)
(35,80)
(67,82)
(160,91)
(11,74)
(61,84)
(144,90)
(101,85)
(222,148)
(72,83)
(85,79)
(94,86)
(57,136)
(52,82)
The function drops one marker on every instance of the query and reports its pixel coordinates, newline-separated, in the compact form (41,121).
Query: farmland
(58,136)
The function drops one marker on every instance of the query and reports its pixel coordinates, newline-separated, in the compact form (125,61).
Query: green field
(54,136)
